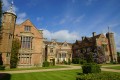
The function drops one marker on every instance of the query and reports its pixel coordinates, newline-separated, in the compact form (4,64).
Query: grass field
(52,75)
(113,67)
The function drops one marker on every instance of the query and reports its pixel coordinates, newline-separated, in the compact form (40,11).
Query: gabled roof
(27,23)
(92,39)
(59,43)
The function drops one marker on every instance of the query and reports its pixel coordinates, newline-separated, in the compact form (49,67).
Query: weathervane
(11,8)
(108,29)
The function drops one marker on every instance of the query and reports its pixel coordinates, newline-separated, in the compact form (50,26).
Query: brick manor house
(100,45)
(34,48)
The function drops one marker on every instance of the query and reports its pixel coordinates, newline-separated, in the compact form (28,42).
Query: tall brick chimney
(94,34)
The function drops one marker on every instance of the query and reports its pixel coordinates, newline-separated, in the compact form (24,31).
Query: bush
(69,62)
(2,67)
(99,76)
(75,60)
(53,62)
(118,59)
(91,68)
(65,62)
(81,61)
(46,64)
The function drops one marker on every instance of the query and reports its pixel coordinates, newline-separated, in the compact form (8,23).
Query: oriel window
(26,42)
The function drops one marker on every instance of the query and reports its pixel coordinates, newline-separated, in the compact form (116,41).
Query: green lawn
(35,68)
(113,67)
(51,75)
(76,64)
(107,64)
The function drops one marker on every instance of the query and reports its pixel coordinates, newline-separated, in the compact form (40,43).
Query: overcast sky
(68,20)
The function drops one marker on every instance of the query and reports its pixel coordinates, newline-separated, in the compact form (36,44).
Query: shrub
(91,68)
(69,62)
(81,61)
(46,64)
(118,59)
(99,76)
(53,62)
(89,57)
(75,60)
(2,67)
(65,62)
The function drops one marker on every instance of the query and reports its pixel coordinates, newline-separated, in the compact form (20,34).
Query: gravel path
(70,67)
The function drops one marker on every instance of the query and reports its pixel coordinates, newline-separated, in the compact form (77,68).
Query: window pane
(27,28)
(26,42)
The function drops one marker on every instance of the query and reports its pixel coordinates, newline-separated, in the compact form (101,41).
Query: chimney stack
(83,38)
(94,34)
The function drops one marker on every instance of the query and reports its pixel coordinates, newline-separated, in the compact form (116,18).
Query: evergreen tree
(14,53)
(1,62)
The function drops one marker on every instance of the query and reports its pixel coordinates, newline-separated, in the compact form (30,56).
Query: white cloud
(62,35)
(79,19)
(39,18)
(21,18)
(71,20)
(114,25)
(63,21)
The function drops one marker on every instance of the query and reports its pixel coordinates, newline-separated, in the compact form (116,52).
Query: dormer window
(54,44)
(65,45)
(27,28)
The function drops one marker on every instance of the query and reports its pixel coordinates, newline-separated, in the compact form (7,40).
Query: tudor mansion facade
(35,49)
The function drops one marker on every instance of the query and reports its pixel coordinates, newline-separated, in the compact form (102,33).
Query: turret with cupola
(7,30)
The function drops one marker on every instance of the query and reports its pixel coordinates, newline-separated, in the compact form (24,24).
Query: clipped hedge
(46,64)
(91,68)
(99,76)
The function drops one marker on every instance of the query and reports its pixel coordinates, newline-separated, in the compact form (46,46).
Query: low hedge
(46,64)
(91,68)
(99,76)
